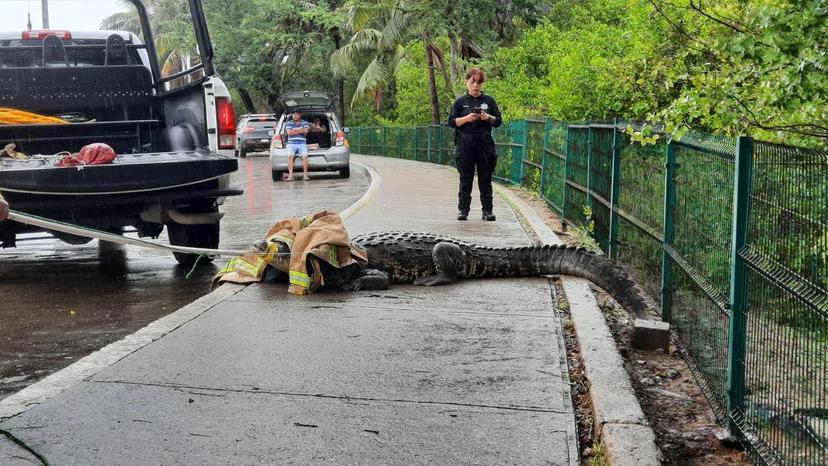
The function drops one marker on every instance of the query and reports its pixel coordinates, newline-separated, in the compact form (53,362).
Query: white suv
(327,151)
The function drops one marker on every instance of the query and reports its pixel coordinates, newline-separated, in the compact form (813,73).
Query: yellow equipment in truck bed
(10,116)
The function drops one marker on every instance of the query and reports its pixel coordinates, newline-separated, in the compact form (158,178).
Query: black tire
(242,152)
(345,172)
(236,149)
(194,236)
(277,175)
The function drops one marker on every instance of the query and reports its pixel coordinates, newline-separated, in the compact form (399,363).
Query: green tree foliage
(267,47)
(411,91)
(731,66)
(586,66)
(762,68)
(172,31)
(373,51)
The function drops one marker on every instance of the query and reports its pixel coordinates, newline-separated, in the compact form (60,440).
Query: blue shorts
(300,149)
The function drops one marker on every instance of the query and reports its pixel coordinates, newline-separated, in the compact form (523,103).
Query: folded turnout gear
(310,239)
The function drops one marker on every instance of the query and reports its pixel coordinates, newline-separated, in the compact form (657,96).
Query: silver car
(327,150)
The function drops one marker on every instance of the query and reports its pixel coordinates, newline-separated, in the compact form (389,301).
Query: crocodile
(430,259)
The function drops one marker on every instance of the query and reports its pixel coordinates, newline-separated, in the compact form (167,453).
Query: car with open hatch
(328,150)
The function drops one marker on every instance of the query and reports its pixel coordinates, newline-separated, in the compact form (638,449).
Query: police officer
(473,116)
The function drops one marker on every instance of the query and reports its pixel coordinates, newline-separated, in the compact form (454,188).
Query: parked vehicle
(327,151)
(174,136)
(254,132)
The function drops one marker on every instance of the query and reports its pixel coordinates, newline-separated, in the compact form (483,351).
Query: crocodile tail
(611,277)
(578,262)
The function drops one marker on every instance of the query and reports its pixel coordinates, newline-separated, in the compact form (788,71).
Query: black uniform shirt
(466,104)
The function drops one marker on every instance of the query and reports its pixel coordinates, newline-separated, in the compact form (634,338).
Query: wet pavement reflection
(60,302)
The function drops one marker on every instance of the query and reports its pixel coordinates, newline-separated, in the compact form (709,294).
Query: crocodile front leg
(447,258)
(368,279)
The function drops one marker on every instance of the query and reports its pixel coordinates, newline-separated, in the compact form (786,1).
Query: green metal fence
(730,234)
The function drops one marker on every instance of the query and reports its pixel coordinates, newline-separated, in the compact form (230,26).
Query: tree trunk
(340,83)
(247,101)
(455,52)
(432,84)
(447,81)
(377,100)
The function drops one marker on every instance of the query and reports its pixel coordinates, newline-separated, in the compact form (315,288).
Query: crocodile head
(276,253)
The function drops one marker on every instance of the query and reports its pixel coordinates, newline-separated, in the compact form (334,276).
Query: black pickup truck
(174,136)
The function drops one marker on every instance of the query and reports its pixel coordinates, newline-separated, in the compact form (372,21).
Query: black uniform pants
(475,151)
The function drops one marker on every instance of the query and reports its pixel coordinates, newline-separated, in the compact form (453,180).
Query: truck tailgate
(128,173)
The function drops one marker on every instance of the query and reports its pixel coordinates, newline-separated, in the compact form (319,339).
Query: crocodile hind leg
(446,258)
(368,279)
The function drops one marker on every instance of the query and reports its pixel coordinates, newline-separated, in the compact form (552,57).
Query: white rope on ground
(76,230)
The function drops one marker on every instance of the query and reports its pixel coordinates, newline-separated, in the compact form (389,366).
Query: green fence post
(565,177)
(738,283)
(589,168)
(543,156)
(525,144)
(428,143)
(417,143)
(615,182)
(385,141)
(668,232)
(440,144)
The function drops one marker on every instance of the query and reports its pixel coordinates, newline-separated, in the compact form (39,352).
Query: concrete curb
(369,194)
(620,424)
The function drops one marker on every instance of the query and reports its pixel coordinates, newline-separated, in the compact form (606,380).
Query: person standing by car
(473,116)
(4,208)
(297,131)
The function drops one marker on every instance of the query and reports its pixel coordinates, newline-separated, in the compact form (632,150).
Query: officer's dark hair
(477,73)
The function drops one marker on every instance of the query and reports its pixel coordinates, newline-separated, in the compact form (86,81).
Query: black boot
(462,215)
(488,216)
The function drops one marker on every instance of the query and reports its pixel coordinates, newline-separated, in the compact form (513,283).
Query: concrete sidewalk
(472,373)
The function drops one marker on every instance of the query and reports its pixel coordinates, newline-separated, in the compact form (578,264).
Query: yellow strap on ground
(10,116)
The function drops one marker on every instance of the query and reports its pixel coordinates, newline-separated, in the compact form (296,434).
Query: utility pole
(44,6)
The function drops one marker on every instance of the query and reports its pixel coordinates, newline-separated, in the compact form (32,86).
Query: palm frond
(122,22)
(437,53)
(396,30)
(361,45)
(374,75)
(367,35)
(357,16)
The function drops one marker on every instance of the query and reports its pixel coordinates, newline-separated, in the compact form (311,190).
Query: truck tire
(345,172)
(195,236)
(277,175)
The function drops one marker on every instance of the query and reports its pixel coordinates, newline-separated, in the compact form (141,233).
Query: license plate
(265,140)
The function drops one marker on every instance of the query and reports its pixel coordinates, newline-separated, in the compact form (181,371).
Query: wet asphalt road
(60,302)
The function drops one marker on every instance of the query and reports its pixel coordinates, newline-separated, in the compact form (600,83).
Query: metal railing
(730,233)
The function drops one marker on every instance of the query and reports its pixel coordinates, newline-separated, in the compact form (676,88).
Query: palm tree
(172,30)
(378,50)
(382,49)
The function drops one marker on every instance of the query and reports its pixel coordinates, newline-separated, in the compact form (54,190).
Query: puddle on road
(56,309)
